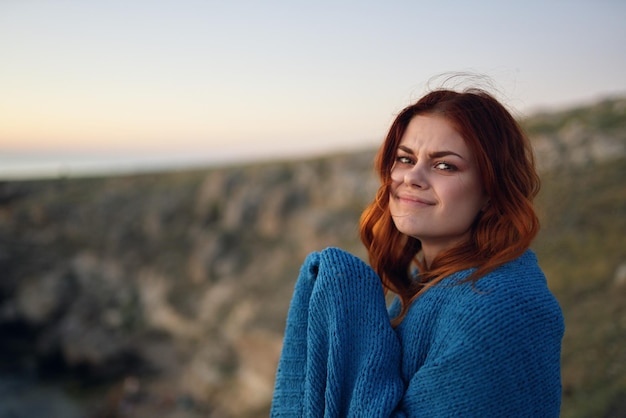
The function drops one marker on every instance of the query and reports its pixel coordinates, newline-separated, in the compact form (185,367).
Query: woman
(473,330)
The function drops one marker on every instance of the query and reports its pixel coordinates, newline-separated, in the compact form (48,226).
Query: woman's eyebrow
(405,149)
(434,154)
(444,153)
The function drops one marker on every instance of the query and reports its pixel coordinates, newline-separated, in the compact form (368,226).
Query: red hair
(501,232)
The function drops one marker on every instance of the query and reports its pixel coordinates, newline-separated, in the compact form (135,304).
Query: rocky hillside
(166,294)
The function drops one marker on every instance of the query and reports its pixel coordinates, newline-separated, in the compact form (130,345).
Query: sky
(120,84)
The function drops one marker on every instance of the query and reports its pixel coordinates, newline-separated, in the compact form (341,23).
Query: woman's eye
(445,166)
(404,160)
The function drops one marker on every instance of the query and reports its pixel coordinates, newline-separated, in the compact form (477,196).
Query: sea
(49,165)
(26,165)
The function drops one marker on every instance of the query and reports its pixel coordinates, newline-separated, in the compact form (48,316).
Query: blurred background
(165,167)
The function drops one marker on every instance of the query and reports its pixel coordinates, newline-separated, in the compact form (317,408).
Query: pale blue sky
(211,80)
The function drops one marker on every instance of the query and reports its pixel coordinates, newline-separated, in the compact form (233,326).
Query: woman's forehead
(433,133)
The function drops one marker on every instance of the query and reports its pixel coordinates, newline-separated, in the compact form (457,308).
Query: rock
(25,398)
(159,314)
(42,299)
(619,279)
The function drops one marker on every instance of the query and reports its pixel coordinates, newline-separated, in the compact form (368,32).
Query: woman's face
(436,192)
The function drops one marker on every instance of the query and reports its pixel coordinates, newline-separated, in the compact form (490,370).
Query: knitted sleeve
(496,354)
(340,358)
(288,398)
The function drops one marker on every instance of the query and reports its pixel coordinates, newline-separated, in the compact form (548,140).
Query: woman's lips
(414,200)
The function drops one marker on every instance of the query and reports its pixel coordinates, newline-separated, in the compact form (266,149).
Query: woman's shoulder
(518,275)
(514,292)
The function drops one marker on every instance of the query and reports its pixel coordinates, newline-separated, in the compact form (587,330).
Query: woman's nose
(416,177)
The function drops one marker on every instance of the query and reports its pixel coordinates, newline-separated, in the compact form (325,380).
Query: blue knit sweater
(488,350)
